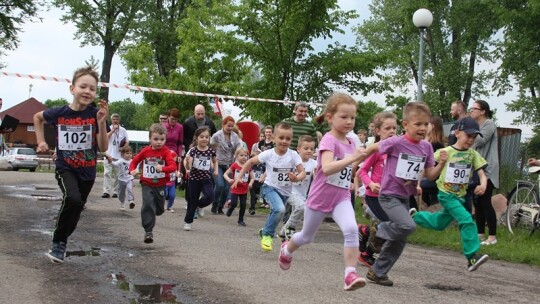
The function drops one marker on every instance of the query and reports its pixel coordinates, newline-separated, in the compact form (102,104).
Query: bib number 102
(75,138)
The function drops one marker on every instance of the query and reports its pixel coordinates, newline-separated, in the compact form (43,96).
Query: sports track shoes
(375,243)
(131,204)
(353,281)
(57,252)
(366,260)
(384,280)
(476,261)
(266,241)
(187,227)
(284,261)
(363,236)
(148,238)
(412,211)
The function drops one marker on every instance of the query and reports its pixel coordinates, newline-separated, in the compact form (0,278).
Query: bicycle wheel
(521,205)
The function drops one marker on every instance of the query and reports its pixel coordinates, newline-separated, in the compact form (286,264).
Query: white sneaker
(187,227)
(122,206)
(200,211)
(185,206)
(170,210)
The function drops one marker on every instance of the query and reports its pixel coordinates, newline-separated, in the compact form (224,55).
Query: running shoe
(284,261)
(353,281)
(476,261)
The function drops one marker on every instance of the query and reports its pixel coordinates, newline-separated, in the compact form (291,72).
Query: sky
(50,49)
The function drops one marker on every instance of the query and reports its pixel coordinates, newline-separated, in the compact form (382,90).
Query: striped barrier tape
(154,90)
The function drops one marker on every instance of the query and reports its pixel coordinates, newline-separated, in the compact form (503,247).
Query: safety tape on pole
(153,90)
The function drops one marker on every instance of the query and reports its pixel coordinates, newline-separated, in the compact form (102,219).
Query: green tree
(53,103)
(13,14)
(278,38)
(457,41)
(519,52)
(101,22)
(126,109)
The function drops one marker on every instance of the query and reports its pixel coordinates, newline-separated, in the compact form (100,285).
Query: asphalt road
(216,262)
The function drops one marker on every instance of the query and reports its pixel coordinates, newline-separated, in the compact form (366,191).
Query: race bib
(458,173)
(257,175)
(341,179)
(150,171)
(281,176)
(305,181)
(172,177)
(410,166)
(201,162)
(73,138)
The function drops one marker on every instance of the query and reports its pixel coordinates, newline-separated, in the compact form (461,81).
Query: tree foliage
(13,14)
(101,22)
(127,110)
(53,103)
(456,43)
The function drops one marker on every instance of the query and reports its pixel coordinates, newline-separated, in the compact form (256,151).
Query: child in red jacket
(157,162)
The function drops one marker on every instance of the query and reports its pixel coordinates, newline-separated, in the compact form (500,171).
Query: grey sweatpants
(395,232)
(124,187)
(153,203)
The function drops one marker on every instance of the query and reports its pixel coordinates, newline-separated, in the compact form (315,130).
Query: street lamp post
(422,19)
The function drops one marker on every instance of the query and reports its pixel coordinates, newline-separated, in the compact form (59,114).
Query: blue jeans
(170,195)
(221,190)
(277,209)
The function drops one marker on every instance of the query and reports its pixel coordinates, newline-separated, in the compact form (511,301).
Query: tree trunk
(108,55)
(470,74)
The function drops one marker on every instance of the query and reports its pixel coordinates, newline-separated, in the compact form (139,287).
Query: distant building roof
(24,111)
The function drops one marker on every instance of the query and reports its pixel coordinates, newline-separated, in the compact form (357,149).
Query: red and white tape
(147,89)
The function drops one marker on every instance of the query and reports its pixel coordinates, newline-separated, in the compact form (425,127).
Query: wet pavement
(216,262)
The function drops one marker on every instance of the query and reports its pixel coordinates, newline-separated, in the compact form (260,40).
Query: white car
(22,158)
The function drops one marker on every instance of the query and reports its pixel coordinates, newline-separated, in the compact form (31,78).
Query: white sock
(286,252)
(349,269)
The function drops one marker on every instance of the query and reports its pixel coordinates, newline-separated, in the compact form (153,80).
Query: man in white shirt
(118,138)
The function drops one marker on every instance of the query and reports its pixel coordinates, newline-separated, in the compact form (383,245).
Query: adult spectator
(486,145)
(300,125)
(458,110)
(192,123)
(175,133)
(163,118)
(225,142)
(118,138)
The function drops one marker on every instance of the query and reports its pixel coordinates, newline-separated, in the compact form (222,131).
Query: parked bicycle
(523,210)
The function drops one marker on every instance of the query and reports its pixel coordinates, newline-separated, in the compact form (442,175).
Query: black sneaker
(115,195)
(241,223)
(366,260)
(148,238)
(363,236)
(57,252)
(384,280)
(375,243)
(105,195)
(213,210)
(229,212)
(476,261)
(252,211)
(220,211)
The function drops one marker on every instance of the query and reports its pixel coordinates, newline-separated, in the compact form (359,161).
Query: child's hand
(250,185)
(134,172)
(418,189)
(103,112)
(479,190)
(533,162)
(443,156)
(159,168)
(109,159)
(216,172)
(234,184)
(42,147)
(230,181)
(375,187)
(292,177)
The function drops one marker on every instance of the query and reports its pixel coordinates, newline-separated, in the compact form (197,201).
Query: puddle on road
(80,253)
(42,197)
(444,287)
(148,293)
(42,231)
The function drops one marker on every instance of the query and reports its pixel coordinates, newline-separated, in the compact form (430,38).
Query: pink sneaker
(284,261)
(353,281)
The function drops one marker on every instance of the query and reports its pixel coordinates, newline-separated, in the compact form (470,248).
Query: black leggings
(485,212)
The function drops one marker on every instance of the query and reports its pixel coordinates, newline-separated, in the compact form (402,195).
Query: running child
(170,186)
(385,126)
(280,164)
(80,130)
(200,163)
(452,184)
(240,190)
(297,200)
(407,156)
(255,191)
(329,193)
(125,180)
(157,163)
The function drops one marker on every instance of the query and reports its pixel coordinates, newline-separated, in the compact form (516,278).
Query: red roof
(25,110)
